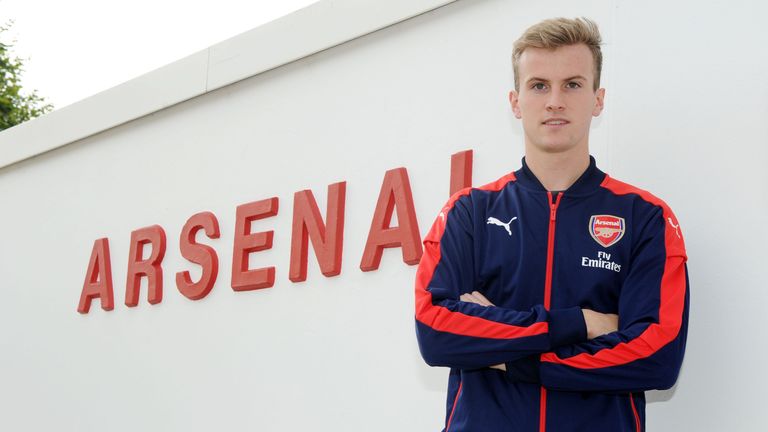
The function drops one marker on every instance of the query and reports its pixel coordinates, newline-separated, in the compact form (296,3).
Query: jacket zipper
(550,248)
(548,290)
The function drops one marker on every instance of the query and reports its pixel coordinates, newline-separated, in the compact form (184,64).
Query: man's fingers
(475,297)
(614,321)
(483,301)
(599,324)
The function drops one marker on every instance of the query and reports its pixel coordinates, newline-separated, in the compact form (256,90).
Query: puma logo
(494,221)
(674,226)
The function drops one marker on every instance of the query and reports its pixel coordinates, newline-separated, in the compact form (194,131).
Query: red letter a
(98,279)
(395,192)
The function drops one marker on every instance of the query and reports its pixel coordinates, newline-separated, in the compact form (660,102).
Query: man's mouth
(555,122)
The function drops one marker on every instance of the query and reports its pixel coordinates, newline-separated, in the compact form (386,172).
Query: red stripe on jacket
(443,319)
(673,287)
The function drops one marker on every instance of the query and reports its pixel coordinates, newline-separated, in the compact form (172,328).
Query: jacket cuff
(526,369)
(567,327)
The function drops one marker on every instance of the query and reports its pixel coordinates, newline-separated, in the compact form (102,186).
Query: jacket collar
(588,182)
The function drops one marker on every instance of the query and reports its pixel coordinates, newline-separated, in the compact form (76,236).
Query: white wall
(685,117)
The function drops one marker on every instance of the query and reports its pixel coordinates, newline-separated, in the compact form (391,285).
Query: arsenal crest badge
(606,229)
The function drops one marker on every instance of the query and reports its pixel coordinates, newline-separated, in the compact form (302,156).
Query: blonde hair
(558,32)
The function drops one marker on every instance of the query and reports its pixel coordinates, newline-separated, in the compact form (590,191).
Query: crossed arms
(641,348)
(597,323)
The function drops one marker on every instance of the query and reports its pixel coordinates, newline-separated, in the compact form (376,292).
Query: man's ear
(599,102)
(515,103)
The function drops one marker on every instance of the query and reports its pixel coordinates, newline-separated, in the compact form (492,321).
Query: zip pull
(553,205)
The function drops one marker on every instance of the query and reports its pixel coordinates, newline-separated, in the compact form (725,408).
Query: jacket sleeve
(647,351)
(466,335)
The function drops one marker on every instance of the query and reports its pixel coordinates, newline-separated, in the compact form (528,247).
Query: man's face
(556,101)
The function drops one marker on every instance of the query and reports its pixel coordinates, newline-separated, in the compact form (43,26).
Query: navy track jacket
(540,257)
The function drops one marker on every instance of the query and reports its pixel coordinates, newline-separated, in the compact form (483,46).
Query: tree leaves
(16,106)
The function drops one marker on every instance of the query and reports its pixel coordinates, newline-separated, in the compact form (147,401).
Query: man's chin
(554,147)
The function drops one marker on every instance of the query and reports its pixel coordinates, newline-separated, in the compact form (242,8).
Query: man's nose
(555,101)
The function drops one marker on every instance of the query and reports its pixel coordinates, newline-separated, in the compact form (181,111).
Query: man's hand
(476,297)
(599,324)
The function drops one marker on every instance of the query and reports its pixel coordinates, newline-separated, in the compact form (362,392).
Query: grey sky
(73,49)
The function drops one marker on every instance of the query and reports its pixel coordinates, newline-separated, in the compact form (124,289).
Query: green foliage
(16,107)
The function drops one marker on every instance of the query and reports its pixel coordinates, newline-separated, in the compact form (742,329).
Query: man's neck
(557,171)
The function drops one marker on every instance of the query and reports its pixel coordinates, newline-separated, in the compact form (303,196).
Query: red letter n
(327,239)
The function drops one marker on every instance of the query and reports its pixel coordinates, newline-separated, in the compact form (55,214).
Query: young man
(557,295)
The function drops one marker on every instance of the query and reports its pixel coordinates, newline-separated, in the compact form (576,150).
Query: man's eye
(573,85)
(539,86)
